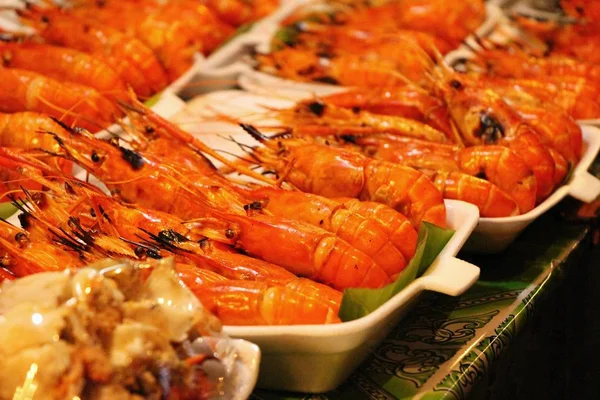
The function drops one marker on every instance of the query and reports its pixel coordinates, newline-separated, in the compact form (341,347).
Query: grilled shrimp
(362,233)
(333,172)
(482,117)
(500,165)
(317,118)
(64,65)
(68,102)
(136,64)
(256,303)
(403,101)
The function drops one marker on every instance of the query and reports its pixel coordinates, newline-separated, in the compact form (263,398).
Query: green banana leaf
(357,303)
(6,210)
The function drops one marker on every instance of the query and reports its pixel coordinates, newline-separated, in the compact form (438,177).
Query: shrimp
(491,201)
(136,64)
(137,178)
(333,172)
(256,303)
(306,251)
(500,165)
(363,234)
(68,102)
(397,226)
(315,36)
(21,256)
(482,117)
(23,130)
(318,118)
(403,101)
(64,64)
(346,70)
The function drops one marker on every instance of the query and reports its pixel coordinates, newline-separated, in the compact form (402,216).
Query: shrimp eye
(95,157)
(490,129)
(455,84)
(317,108)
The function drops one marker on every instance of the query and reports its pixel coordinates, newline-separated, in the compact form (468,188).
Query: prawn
(362,233)
(68,102)
(64,65)
(483,117)
(136,64)
(497,164)
(403,101)
(334,172)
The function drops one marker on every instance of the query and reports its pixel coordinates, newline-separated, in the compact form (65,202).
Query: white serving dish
(261,82)
(317,358)
(493,235)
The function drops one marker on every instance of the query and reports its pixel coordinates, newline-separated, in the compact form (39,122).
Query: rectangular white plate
(317,358)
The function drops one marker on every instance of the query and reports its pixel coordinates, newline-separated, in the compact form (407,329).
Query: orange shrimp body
(63,64)
(334,172)
(136,63)
(255,303)
(500,165)
(363,234)
(491,201)
(402,101)
(346,70)
(397,226)
(317,118)
(69,102)
(233,12)
(307,251)
(513,63)
(484,118)
(22,256)
(353,39)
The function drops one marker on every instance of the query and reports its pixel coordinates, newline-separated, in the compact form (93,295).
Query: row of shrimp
(384,44)
(501,134)
(81,58)
(477,138)
(253,254)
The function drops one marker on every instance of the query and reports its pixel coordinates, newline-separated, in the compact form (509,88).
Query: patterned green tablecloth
(474,345)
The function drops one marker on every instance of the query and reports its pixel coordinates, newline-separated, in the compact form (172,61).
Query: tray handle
(450,276)
(585,187)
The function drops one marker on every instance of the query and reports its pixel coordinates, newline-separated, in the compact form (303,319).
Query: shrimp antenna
(255,133)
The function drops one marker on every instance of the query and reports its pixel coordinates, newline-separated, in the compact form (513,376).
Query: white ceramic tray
(261,82)
(317,358)
(492,235)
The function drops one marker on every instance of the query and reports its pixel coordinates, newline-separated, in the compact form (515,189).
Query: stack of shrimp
(82,58)
(478,138)
(354,44)
(254,255)
(554,62)
(502,135)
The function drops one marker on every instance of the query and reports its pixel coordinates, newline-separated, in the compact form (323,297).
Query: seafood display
(243,249)
(112,330)
(325,208)
(93,51)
